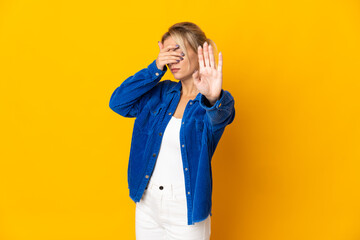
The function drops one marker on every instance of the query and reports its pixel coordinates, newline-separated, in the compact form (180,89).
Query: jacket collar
(177,88)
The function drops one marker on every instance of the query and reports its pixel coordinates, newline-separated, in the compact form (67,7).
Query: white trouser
(161,214)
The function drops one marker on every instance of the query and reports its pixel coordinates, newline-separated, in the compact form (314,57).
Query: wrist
(212,100)
(159,67)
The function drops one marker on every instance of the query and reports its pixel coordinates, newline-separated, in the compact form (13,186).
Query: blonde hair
(192,34)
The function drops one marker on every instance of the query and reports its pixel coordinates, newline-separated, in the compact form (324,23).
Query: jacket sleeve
(219,115)
(127,99)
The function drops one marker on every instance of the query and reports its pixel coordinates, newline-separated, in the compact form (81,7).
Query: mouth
(175,69)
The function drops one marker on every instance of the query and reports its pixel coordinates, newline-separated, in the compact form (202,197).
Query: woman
(177,128)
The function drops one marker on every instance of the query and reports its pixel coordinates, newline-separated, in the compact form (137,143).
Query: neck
(188,88)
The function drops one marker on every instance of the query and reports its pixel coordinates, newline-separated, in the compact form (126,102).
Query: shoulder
(163,87)
(160,89)
(168,84)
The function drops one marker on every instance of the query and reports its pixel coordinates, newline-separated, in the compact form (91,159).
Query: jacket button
(157,74)
(154,154)
(169,113)
(183,123)
(160,133)
(190,103)
(185,169)
(161,187)
(183,145)
(147,176)
(188,192)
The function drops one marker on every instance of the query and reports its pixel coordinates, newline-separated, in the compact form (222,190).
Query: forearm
(221,111)
(125,100)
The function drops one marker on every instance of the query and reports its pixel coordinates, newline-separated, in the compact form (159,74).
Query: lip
(172,69)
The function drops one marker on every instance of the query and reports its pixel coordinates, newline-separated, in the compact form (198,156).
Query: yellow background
(287,168)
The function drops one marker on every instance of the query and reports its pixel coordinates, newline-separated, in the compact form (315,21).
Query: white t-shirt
(169,166)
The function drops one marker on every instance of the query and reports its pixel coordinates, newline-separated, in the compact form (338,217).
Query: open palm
(208,79)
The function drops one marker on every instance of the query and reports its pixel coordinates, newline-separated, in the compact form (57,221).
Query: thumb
(196,76)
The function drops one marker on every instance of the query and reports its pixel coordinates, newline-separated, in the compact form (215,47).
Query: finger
(212,59)
(206,55)
(219,68)
(176,58)
(176,48)
(171,59)
(201,57)
(173,54)
(168,48)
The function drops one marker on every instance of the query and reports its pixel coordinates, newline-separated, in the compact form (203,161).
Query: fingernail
(181,58)
(177,45)
(182,54)
(178,60)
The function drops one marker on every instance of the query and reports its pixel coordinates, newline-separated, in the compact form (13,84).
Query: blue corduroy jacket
(152,102)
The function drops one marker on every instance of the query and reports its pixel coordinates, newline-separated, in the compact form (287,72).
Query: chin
(180,76)
(176,77)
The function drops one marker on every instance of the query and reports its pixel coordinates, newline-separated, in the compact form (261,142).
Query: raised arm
(218,103)
(129,98)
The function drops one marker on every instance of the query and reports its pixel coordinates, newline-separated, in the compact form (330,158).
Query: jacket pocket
(146,121)
(154,118)
(155,110)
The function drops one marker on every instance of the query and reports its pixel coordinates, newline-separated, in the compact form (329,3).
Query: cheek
(192,58)
(185,61)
